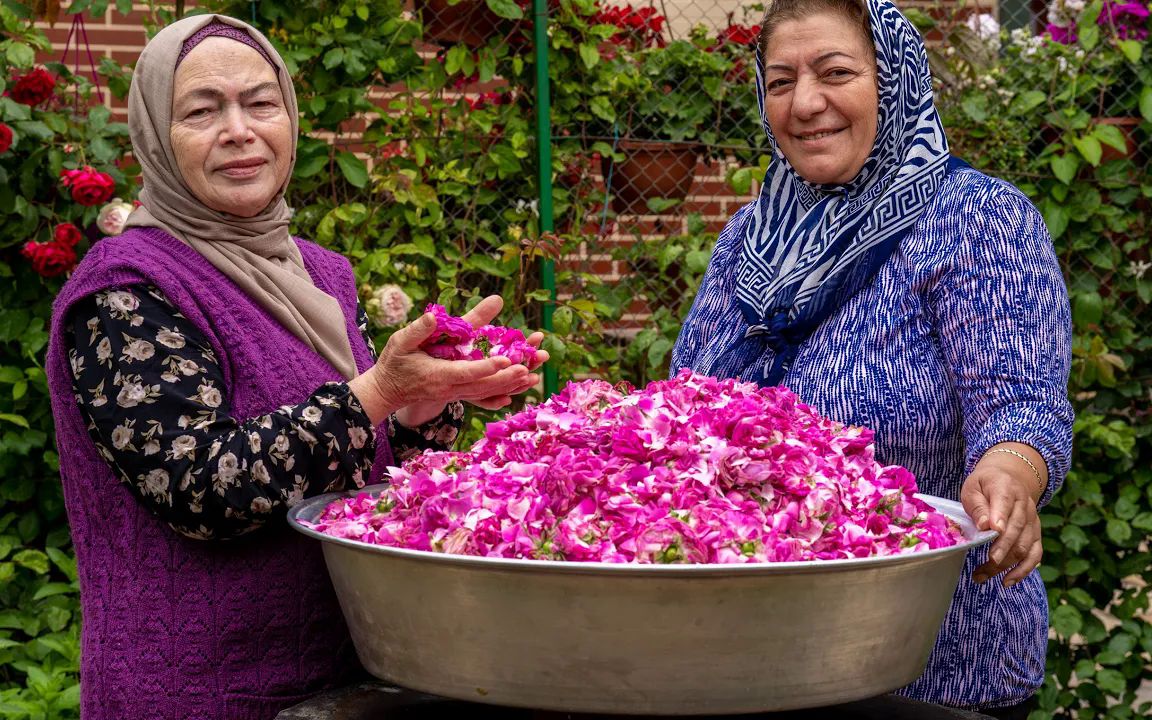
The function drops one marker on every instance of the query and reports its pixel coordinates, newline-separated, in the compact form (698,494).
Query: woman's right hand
(405,375)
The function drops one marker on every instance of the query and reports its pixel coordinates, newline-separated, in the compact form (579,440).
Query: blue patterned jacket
(962,341)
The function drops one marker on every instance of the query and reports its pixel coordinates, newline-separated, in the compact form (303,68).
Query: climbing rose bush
(687,470)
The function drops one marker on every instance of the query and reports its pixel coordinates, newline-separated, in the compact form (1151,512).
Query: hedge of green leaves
(445,211)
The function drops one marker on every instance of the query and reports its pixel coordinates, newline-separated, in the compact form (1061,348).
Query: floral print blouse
(152,393)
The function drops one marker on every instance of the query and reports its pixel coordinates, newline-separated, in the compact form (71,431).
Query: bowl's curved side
(643,639)
(642,644)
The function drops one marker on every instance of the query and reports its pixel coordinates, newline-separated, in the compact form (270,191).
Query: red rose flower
(5,138)
(67,234)
(89,187)
(49,259)
(33,88)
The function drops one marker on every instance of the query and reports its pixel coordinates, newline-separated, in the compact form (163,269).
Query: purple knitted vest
(180,629)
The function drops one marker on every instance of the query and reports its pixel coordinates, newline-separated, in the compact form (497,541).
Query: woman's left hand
(1001,495)
(483,314)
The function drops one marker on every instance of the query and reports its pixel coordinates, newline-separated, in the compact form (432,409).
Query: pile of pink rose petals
(687,470)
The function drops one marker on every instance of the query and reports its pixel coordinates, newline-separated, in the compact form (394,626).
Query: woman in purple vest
(207,372)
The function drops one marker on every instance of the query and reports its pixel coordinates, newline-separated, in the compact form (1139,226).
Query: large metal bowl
(643,639)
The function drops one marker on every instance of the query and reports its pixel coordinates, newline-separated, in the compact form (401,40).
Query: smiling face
(820,98)
(230,131)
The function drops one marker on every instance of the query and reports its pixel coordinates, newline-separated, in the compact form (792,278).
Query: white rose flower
(389,305)
(228,467)
(121,436)
(123,302)
(183,446)
(312,414)
(131,395)
(104,349)
(254,442)
(260,473)
(139,349)
(170,338)
(188,367)
(357,436)
(156,482)
(210,396)
(113,216)
(261,505)
(281,444)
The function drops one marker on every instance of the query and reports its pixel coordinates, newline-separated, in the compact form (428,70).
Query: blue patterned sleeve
(1005,330)
(715,298)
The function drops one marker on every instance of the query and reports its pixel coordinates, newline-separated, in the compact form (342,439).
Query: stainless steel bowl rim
(312,507)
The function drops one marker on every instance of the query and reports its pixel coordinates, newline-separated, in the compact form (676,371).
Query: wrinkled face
(230,131)
(821,99)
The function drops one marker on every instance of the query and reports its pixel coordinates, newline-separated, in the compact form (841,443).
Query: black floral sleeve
(151,389)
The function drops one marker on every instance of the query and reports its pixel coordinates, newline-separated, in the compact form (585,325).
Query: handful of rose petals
(456,339)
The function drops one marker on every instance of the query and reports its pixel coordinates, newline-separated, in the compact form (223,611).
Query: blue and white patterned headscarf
(808,248)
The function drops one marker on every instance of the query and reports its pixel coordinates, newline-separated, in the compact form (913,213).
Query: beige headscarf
(256,253)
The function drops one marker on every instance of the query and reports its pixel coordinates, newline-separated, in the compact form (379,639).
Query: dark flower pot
(469,22)
(1127,127)
(649,170)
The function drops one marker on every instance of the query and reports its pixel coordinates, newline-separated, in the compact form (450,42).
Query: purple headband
(219,29)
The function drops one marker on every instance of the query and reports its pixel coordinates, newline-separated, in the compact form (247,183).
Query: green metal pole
(544,162)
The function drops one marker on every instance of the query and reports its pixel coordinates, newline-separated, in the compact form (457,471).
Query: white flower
(261,505)
(122,302)
(228,467)
(113,216)
(1137,269)
(312,414)
(152,447)
(209,396)
(131,395)
(357,436)
(183,446)
(254,442)
(188,367)
(104,349)
(281,443)
(985,27)
(170,338)
(139,349)
(260,473)
(156,482)
(121,436)
(388,306)
(522,205)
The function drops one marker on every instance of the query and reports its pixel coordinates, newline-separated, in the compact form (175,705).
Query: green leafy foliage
(39,608)
(1066,123)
